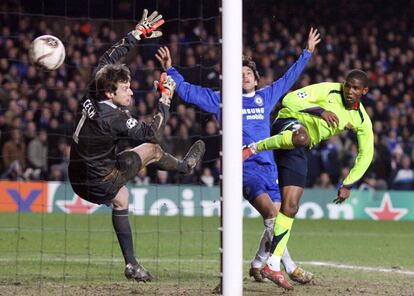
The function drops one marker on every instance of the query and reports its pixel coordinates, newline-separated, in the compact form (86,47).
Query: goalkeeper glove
(146,26)
(166,87)
(249,150)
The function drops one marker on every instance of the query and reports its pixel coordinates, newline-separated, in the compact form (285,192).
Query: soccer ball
(47,52)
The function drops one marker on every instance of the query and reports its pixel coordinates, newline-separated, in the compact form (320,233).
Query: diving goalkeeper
(308,116)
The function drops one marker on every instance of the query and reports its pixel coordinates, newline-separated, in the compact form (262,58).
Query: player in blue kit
(260,186)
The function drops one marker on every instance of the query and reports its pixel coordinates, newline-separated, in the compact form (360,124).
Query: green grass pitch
(59,254)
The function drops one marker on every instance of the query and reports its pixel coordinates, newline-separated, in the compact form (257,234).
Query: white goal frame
(232,215)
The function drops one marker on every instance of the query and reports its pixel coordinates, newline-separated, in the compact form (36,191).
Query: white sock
(274,262)
(263,252)
(287,262)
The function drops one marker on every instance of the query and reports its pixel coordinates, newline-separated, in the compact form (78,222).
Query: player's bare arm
(313,40)
(164,57)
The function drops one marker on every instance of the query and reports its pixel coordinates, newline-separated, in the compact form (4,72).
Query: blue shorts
(292,164)
(259,179)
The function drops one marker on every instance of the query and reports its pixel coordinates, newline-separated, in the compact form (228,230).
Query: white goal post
(232,142)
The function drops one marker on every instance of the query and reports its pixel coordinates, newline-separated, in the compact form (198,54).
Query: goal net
(53,242)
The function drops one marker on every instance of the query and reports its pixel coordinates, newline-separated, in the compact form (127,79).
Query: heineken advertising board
(171,200)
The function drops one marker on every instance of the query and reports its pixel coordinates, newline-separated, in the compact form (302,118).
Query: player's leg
(292,187)
(263,204)
(193,156)
(153,153)
(275,275)
(293,136)
(283,224)
(290,134)
(150,153)
(282,230)
(111,190)
(295,272)
(254,184)
(129,162)
(254,190)
(260,189)
(291,197)
(292,168)
(294,158)
(120,222)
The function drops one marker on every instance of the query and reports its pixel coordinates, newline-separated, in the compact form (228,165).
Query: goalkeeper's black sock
(123,232)
(170,163)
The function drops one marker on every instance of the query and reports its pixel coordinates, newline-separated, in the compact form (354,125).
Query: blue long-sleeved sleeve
(281,86)
(205,98)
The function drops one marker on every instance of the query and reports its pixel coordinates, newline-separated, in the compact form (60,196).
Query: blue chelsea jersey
(256,122)
(256,106)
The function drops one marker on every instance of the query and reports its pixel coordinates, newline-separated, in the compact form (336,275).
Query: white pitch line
(356,267)
(71,259)
(298,233)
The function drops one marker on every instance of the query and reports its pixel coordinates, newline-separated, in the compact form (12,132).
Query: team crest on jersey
(131,123)
(258,100)
(302,94)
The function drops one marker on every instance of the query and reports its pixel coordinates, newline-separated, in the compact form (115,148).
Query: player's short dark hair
(108,77)
(248,62)
(359,75)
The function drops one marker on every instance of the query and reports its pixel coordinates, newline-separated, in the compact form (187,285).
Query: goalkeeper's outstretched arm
(146,28)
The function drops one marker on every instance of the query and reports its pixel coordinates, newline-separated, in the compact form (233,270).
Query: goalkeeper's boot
(300,275)
(255,273)
(137,272)
(194,155)
(249,150)
(277,277)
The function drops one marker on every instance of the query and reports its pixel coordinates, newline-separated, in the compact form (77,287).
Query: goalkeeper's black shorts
(102,190)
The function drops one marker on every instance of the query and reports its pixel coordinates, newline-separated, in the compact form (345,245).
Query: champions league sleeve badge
(131,122)
(302,94)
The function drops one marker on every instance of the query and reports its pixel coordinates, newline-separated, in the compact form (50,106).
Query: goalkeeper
(259,173)
(308,116)
(97,172)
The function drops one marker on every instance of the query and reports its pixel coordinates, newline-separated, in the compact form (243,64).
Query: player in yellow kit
(308,116)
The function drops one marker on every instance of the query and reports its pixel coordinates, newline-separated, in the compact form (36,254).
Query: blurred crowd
(38,109)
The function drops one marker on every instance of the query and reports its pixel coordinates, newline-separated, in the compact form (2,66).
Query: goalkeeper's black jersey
(101,124)
(100,127)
